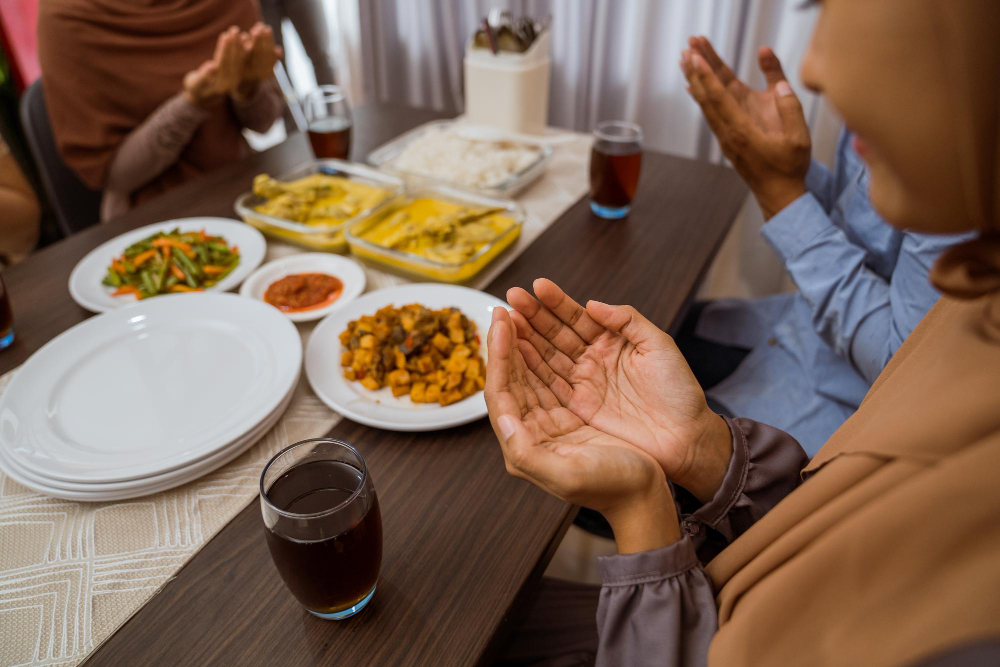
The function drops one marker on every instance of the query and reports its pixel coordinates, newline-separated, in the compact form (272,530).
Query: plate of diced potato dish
(407,358)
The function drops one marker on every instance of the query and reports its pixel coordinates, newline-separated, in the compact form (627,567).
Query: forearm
(259,107)
(155,145)
(21,211)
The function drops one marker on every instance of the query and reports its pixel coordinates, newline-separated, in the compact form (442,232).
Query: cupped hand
(218,77)
(260,54)
(552,447)
(619,374)
(762,132)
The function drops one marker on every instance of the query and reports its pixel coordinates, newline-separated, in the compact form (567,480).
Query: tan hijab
(108,64)
(890,552)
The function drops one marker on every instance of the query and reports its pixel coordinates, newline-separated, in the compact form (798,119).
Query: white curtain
(610,59)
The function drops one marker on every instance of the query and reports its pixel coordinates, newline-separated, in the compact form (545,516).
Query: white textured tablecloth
(71,573)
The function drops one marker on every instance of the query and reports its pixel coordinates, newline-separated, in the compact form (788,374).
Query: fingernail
(507,426)
(783,89)
(685,57)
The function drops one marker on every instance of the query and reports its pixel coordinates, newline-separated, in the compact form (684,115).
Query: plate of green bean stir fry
(176,256)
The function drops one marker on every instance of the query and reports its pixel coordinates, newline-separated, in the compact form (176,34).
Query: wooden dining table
(464,542)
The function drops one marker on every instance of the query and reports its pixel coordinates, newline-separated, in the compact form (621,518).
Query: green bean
(185,263)
(147,282)
(186,266)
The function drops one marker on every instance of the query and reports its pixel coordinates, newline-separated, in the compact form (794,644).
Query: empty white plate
(380,408)
(100,492)
(85,284)
(149,388)
(346,270)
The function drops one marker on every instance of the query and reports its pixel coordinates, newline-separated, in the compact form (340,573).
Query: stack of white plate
(148,397)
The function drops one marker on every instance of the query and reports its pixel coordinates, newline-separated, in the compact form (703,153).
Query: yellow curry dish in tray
(432,356)
(437,232)
(311,205)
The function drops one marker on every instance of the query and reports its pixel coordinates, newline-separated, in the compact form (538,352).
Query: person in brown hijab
(885,548)
(143,96)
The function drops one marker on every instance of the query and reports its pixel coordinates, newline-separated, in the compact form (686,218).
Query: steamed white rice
(442,154)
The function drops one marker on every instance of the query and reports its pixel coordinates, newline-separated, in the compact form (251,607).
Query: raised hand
(218,77)
(260,54)
(619,374)
(550,446)
(762,132)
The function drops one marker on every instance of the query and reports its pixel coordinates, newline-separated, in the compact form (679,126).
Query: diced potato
(350,374)
(456,364)
(456,335)
(453,396)
(368,342)
(400,390)
(472,369)
(441,342)
(425,364)
(398,378)
(480,382)
(454,379)
(433,393)
(418,392)
(400,359)
(346,358)
(368,382)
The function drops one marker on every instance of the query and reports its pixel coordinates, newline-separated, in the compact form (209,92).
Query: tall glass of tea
(328,119)
(323,525)
(6,317)
(614,168)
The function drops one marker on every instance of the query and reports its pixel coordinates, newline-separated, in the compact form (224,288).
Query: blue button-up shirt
(862,288)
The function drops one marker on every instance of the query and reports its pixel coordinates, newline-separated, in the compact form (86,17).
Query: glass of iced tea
(614,167)
(323,525)
(328,120)
(6,317)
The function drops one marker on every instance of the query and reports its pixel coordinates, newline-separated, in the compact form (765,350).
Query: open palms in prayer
(610,375)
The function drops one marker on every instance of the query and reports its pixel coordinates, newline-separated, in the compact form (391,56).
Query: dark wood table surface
(464,542)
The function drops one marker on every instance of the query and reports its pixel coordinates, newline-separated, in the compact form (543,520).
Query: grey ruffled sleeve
(658,607)
(764,469)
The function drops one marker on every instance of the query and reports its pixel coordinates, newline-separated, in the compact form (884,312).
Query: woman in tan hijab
(885,548)
(145,95)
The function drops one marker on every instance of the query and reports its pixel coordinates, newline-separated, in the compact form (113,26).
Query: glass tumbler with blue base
(323,526)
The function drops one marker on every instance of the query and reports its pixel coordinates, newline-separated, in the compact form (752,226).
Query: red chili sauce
(303,291)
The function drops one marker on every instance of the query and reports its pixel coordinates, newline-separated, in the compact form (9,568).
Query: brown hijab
(108,64)
(890,552)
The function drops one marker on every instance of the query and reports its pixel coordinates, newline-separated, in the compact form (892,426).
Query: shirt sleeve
(821,184)
(259,111)
(658,607)
(765,467)
(155,145)
(861,315)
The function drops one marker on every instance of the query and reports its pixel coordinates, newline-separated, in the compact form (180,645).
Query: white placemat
(72,573)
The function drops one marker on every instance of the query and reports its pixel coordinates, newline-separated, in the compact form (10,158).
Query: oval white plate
(380,408)
(347,270)
(85,282)
(100,492)
(149,388)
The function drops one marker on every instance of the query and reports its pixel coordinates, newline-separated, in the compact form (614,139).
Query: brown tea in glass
(6,317)
(328,122)
(323,526)
(615,160)
(331,137)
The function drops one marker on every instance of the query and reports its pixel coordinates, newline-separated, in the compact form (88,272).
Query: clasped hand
(597,406)
(241,60)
